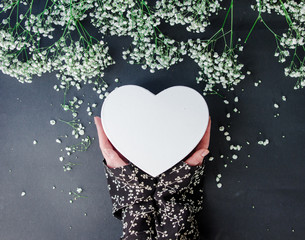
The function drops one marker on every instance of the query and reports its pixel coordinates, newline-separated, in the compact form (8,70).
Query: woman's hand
(201,150)
(112,156)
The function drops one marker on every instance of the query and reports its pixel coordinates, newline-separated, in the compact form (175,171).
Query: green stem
(7,7)
(231,39)
(259,17)
(224,22)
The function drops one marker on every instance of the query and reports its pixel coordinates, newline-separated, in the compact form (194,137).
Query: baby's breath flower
(292,39)
(264,143)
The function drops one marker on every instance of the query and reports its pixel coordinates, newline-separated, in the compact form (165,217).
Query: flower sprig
(78,128)
(23,55)
(76,194)
(217,68)
(291,43)
(81,147)
(68,166)
(193,13)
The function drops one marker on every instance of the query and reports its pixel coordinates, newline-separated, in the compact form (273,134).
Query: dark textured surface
(262,196)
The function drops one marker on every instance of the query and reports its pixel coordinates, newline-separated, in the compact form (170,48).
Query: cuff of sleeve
(176,180)
(128,185)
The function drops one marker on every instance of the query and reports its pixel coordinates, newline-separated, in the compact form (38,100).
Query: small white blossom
(264,143)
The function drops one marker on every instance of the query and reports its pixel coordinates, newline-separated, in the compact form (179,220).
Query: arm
(179,195)
(130,190)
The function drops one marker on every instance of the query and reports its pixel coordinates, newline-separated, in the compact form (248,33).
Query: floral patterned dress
(163,207)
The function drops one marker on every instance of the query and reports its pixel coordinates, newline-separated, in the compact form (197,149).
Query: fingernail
(94,120)
(205,152)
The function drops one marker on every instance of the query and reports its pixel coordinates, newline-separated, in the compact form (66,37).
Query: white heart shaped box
(154,132)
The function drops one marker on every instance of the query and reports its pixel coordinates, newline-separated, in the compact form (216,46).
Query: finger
(103,140)
(197,157)
(111,156)
(205,141)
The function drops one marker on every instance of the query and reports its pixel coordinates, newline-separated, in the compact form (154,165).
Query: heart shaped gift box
(154,132)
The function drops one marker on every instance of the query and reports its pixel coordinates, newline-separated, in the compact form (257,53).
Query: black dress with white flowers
(163,207)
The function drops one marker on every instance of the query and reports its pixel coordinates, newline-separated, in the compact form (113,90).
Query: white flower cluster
(11,65)
(114,17)
(69,12)
(149,47)
(78,64)
(215,69)
(161,54)
(60,13)
(193,13)
(39,25)
(291,42)
(78,131)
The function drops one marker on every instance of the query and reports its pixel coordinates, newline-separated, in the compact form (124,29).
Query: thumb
(197,157)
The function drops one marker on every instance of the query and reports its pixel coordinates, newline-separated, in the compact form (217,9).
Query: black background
(262,196)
